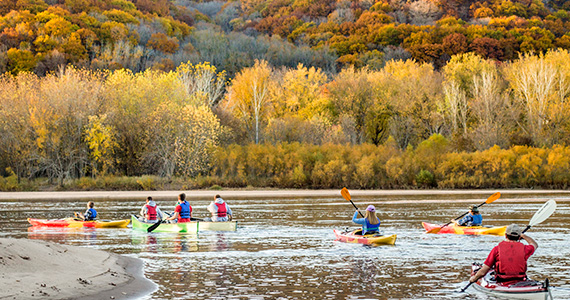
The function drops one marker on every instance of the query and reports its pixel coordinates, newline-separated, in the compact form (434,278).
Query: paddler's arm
(356,220)
(480,273)
(529,240)
(174,216)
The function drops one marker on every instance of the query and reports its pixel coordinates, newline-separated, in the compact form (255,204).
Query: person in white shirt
(150,211)
(220,210)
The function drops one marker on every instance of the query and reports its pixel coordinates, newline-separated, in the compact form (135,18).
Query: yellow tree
(17,94)
(249,95)
(300,93)
(533,79)
(68,98)
(459,74)
(101,139)
(203,79)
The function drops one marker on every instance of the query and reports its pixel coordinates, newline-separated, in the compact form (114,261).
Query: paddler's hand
(473,279)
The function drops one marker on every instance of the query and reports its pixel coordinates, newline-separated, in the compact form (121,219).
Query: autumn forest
(143,94)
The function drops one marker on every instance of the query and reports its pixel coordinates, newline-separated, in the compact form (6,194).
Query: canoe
(191,227)
(367,239)
(523,289)
(71,222)
(217,226)
(470,230)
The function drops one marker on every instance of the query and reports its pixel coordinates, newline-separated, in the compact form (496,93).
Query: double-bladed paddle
(346,195)
(155,225)
(539,216)
(492,198)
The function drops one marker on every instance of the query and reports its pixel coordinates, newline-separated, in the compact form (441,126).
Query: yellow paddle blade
(345,194)
(493,197)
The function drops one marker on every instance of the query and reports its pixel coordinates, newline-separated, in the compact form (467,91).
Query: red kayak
(517,289)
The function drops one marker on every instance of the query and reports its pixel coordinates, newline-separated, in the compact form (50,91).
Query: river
(284,247)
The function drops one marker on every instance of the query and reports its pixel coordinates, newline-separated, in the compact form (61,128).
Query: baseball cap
(513,229)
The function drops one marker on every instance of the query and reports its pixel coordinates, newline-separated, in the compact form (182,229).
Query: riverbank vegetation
(474,124)
(117,94)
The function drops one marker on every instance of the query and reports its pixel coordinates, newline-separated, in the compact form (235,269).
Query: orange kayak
(470,230)
(71,222)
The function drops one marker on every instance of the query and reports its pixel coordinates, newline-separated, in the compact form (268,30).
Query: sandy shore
(251,194)
(43,270)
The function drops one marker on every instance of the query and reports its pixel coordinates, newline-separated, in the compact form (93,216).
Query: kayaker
(90,213)
(474,218)
(509,258)
(370,223)
(220,210)
(150,211)
(183,210)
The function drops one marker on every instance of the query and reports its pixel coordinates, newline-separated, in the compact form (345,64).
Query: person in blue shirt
(90,213)
(370,223)
(474,218)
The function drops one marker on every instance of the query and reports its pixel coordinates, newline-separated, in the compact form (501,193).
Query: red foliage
(455,43)
(487,47)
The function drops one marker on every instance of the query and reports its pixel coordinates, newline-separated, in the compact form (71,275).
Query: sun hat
(474,208)
(371,208)
(513,229)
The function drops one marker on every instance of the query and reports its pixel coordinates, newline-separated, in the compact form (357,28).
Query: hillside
(41,35)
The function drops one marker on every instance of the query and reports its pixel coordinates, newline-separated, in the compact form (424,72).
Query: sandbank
(252,194)
(44,270)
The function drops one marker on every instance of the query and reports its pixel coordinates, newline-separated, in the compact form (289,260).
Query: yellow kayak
(367,239)
(469,230)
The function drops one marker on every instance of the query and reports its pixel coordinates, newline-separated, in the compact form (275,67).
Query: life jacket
(511,263)
(151,212)
(371,227)
(185,210)
(222,210)
(476,220)
(92,215)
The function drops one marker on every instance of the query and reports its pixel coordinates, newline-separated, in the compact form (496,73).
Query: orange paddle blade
(345,194)
(493,197)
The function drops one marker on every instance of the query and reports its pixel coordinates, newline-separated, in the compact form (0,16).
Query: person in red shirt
(183,211)
(509,258)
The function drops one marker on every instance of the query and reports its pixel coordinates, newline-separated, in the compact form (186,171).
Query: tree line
(193,123)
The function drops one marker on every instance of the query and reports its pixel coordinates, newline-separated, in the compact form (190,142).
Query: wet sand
(259,193)
(43,270)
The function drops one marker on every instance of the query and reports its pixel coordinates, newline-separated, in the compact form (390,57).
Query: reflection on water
(284,248)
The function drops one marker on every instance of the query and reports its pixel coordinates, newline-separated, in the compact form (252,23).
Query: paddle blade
(154,226)
(345,194)
(543,213)
(493,197)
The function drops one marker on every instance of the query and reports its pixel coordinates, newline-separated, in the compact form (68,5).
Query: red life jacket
(151,212)
(511,263)
(222,211)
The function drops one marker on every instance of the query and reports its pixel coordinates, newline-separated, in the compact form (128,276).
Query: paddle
(346,195)
(539,216)
(155,225)
(492,198)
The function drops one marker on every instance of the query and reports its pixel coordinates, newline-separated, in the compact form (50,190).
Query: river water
(284,247)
